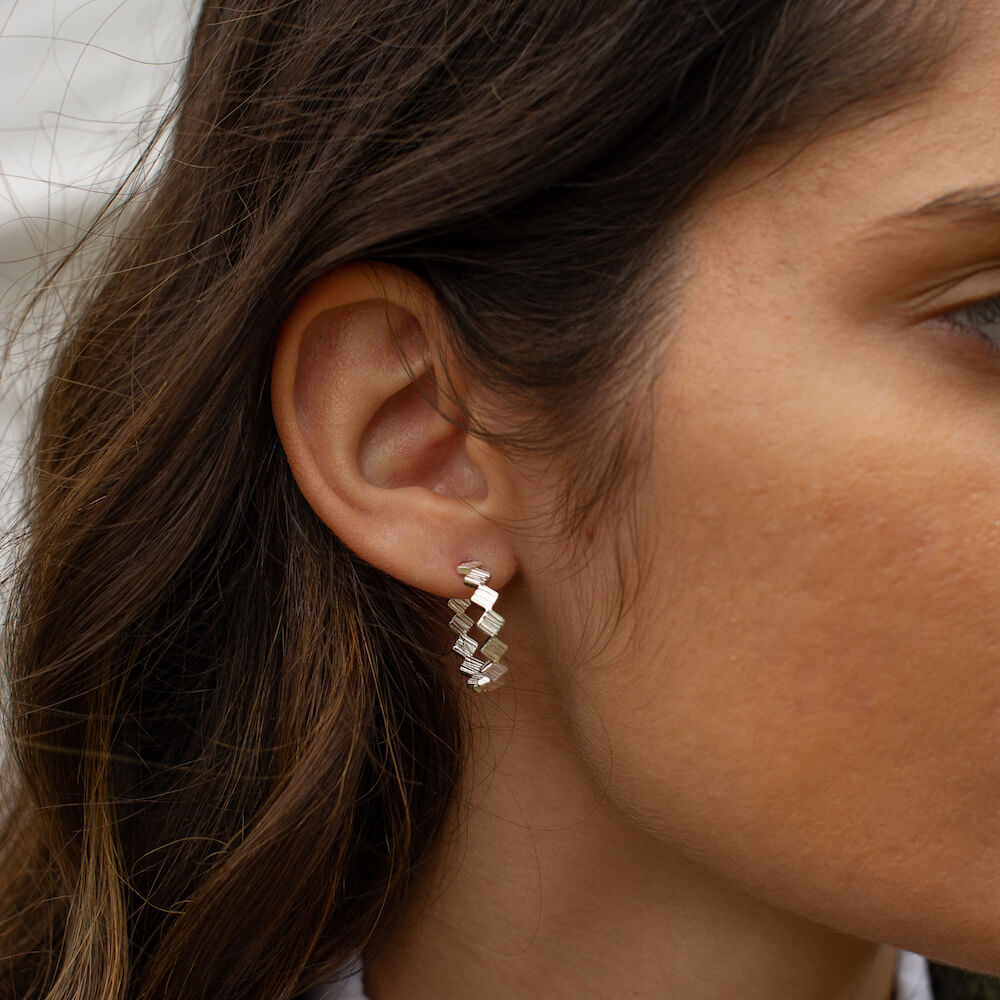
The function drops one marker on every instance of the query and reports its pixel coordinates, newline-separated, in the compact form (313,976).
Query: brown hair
(231,741)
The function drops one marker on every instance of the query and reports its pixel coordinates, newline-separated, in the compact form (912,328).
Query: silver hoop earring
(481,663)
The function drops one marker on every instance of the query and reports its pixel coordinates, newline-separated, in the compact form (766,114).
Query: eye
(981,318)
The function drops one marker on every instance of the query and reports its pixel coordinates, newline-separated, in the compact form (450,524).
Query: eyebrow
(971,204)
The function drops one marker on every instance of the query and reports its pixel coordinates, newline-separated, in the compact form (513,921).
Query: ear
(368,435)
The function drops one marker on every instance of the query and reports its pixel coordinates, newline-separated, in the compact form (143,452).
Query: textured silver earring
(481,663)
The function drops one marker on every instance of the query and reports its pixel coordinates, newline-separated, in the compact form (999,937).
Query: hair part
(210,695)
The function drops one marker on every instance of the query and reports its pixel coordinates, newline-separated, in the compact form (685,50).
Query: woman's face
(806,695)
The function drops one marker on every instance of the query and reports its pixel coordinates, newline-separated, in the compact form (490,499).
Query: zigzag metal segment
(481,663)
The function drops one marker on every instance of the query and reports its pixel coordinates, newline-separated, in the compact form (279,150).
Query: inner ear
(409,442)
(366,394)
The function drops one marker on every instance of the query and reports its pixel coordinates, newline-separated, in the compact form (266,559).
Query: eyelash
(984,312)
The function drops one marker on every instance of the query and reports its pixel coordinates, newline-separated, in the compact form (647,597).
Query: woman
(678,319)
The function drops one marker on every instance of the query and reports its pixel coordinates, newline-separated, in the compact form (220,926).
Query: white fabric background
(82,83)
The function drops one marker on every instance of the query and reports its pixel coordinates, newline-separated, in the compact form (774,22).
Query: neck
(544,887)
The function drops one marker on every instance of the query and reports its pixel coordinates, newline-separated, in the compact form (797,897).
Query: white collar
(913,982)
(913,978)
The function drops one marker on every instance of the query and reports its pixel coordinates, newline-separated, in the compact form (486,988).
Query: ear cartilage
(481,663)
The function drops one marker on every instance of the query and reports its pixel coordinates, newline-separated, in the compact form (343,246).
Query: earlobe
(355,401)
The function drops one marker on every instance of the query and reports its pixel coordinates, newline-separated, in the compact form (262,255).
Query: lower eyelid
(971,335)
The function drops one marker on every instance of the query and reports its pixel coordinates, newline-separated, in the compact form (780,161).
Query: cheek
(806,695)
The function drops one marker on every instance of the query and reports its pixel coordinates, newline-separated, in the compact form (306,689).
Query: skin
(786,751)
